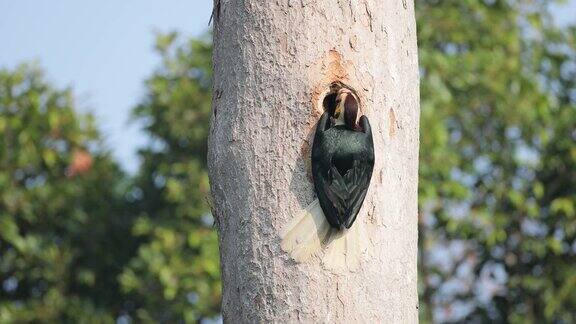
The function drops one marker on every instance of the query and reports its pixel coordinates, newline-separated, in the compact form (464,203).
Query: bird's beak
(340,103)
(338,109)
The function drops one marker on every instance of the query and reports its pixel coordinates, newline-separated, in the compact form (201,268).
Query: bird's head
(346,111)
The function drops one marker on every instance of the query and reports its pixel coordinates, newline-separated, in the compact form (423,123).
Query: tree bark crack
(369,14)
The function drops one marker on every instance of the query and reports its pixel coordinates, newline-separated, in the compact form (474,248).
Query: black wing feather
(361,181)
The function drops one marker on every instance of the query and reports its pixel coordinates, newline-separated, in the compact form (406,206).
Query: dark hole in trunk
(329,103)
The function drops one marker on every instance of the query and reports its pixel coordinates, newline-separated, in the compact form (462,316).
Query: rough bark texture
(272,62)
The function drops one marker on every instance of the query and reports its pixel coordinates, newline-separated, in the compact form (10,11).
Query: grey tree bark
(273,61)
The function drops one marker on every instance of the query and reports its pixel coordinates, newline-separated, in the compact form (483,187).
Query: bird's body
(342,164)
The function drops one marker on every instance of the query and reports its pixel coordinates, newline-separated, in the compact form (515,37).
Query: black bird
(342,160)
(342,164)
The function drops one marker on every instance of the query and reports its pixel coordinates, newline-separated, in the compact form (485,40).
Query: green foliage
(79,241)
(498,162)
(175,275)
(60,213)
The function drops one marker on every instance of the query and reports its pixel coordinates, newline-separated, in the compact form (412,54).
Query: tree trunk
(273,62)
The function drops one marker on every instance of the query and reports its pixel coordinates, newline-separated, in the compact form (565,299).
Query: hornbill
(342,164)
(342,161)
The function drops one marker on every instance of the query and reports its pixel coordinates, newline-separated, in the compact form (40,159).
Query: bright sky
(104,50)
(101,48)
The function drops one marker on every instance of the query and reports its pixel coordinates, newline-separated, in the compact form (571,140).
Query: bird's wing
(332,193)
(342,197)
(330,186)
(358,177)
(357,180)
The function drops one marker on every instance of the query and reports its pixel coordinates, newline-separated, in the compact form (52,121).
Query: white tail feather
(309,233)
(304,235)
(344,250)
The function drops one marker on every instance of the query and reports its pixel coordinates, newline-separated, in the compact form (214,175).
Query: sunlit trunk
(273,60)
